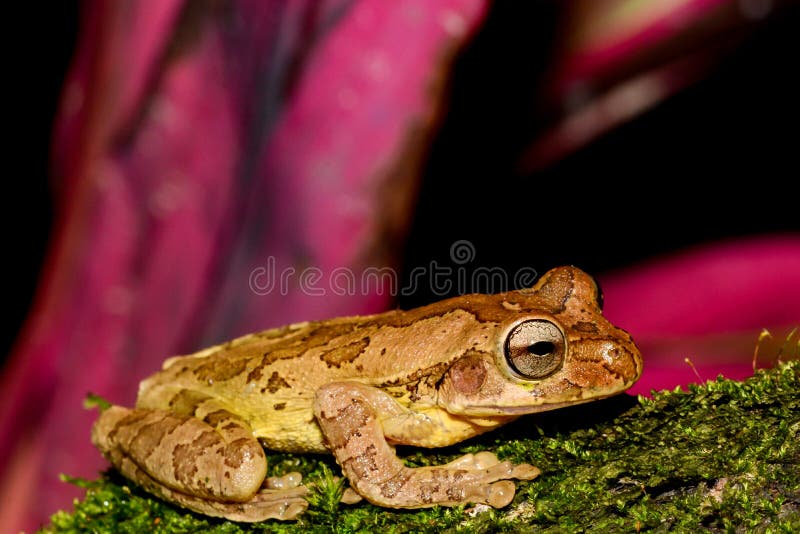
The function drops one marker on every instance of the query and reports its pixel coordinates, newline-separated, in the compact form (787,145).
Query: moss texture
(723,456)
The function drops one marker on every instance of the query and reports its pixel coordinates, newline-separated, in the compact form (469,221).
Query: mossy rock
(723,456)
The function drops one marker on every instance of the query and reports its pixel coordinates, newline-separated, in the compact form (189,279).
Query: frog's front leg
(212,465)
(351,415)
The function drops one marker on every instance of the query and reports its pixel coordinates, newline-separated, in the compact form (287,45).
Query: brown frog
(356,386)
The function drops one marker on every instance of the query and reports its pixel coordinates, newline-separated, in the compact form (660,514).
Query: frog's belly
(289,430)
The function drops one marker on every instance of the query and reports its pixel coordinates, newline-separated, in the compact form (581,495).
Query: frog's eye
(535,348)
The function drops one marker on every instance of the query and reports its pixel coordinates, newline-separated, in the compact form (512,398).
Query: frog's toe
(499,471)
(285,504)
(351,497)
(289,480)
(479,460)
(496,495)
(484,460)
(525,472)
(507,470)
(462,462)
(293,510)
(501,493)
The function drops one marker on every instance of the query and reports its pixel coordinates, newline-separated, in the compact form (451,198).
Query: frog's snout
(625,362)
(623,358)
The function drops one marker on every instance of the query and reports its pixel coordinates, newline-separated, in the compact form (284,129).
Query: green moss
(724,456)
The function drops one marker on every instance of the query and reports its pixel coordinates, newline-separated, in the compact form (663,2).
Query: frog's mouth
(523,410)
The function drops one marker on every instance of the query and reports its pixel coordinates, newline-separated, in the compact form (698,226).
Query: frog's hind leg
(212,465)
(355,419)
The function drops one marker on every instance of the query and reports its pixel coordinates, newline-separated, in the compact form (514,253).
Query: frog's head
(554,350)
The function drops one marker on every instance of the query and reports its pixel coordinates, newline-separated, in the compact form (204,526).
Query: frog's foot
(452,485)
(349,419)
(266,504)
(284,504)
(502,491)
(211,465)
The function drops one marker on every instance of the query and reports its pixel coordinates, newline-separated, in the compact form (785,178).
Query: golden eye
(535,348)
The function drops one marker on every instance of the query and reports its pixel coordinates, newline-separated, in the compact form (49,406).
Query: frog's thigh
(214,466)
(349,415)
(216,459)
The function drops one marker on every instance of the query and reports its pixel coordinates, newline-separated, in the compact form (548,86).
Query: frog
(357,387)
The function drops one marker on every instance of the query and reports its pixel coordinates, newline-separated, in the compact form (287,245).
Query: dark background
(716,161)
(39,40)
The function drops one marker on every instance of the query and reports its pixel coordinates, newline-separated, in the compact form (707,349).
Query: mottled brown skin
(356,386)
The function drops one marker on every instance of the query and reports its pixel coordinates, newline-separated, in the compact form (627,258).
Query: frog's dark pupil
(542,348)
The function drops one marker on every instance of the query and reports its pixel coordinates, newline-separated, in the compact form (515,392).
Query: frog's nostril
(611,354)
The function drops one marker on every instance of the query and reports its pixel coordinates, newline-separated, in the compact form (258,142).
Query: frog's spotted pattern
(355,387)
(345,354)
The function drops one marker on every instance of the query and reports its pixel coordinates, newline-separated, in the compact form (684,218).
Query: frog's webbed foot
(212,465)
(485,467)
(349,417)
(285,504)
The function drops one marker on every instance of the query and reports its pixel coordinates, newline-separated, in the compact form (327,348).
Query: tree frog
(356,387)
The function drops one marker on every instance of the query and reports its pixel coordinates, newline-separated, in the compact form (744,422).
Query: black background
(715,161)
(39,40)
